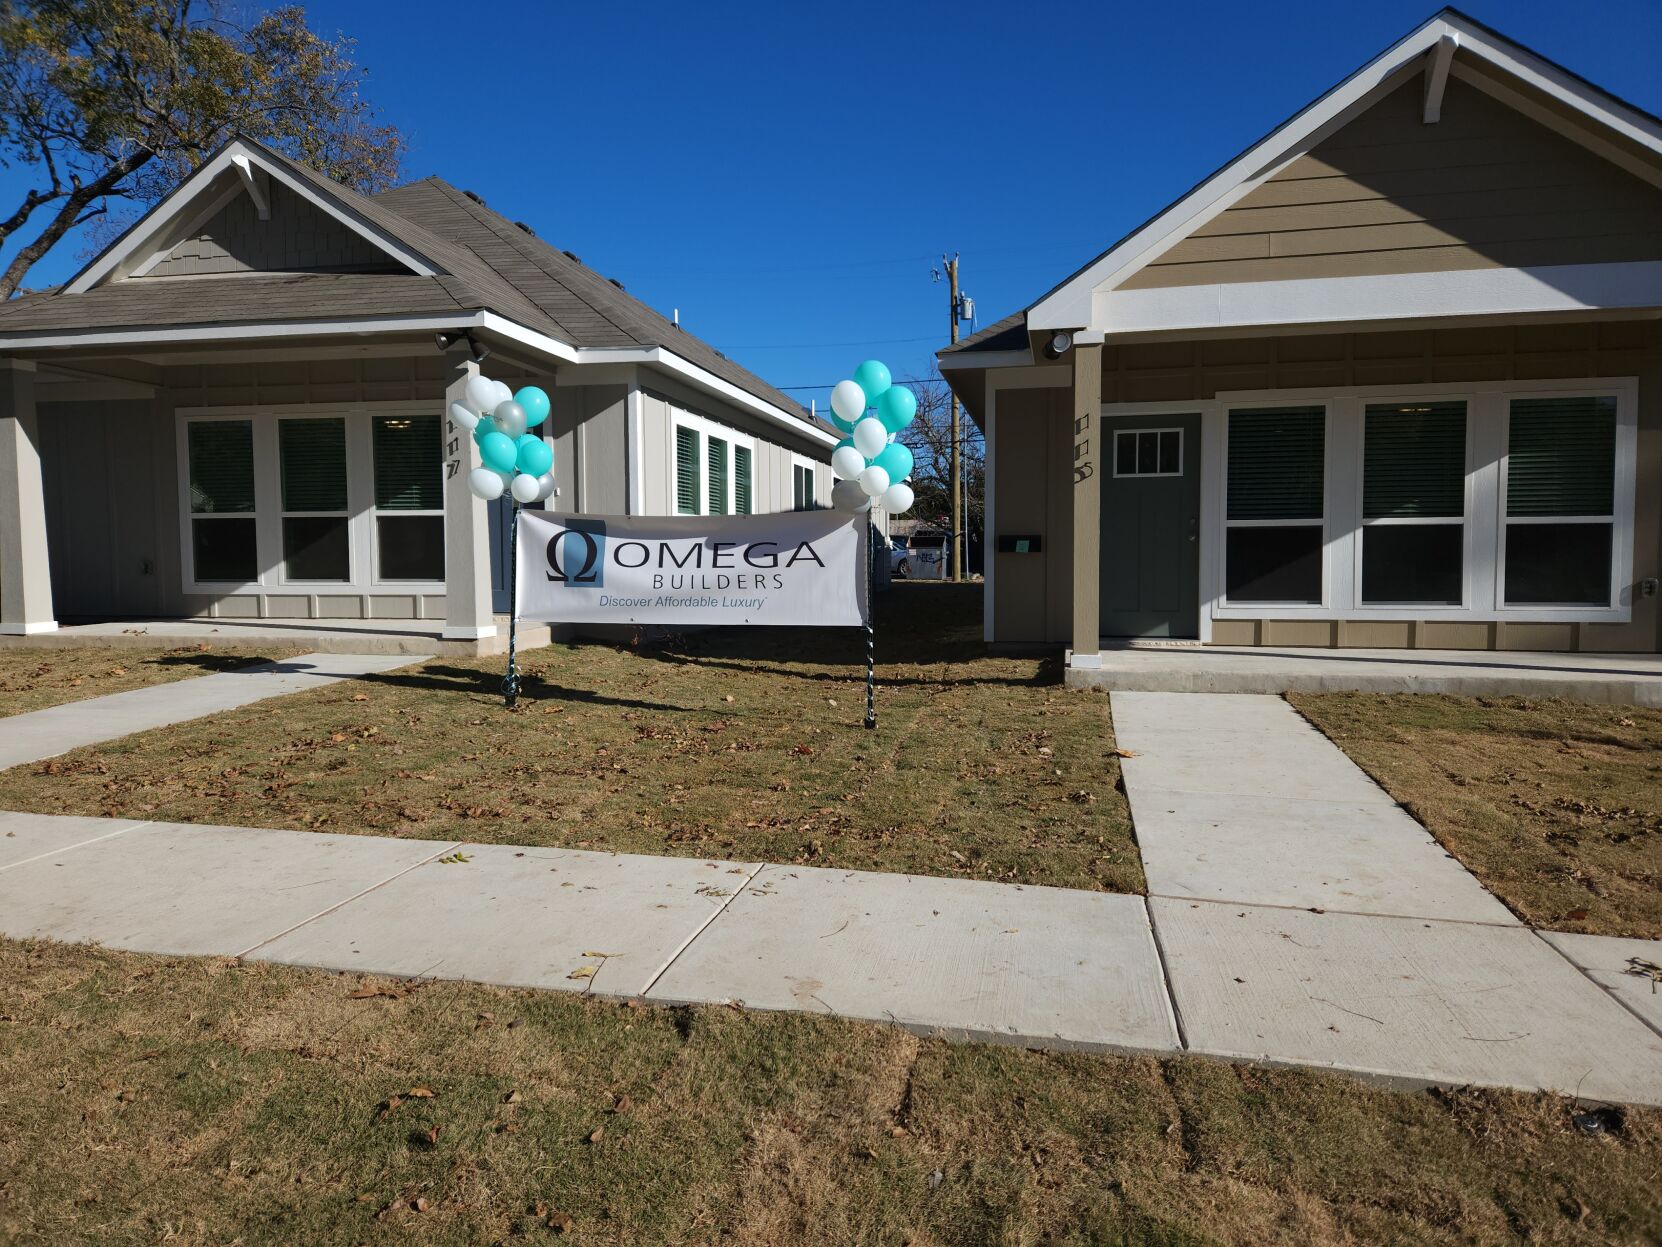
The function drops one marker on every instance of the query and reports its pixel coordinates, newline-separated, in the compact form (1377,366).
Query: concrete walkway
(46,733)
(1304,917)
(1606,679)
(1409,999)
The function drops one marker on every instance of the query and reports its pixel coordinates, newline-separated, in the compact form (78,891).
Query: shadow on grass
(210,663)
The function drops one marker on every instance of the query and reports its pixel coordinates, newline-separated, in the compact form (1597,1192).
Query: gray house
(237,411)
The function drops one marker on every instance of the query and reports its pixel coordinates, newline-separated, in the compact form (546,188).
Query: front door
(1151,527)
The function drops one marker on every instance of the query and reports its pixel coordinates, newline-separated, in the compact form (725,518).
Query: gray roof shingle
(486,261)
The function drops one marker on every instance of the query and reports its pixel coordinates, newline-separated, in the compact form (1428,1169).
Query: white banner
(798,567)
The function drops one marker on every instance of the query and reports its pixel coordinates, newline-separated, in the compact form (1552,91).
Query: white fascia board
(137,247)
(1390,297)
(668,360)
(170,336)
(1071,306)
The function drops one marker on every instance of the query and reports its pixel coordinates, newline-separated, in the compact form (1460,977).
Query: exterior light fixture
(1061,342)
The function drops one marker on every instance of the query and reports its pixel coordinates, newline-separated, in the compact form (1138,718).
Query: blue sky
(787,175)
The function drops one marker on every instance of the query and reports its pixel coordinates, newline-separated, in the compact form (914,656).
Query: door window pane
(1171,451)
(409,465)
(221,466)
(313,454)
(1413,564)
(223,550)
(1274,564)
(315,547)
(1558,564)
(410,547)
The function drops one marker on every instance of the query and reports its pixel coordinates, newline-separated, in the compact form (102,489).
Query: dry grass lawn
(33,679)
(744,744)
(1555,806)
(153,1100)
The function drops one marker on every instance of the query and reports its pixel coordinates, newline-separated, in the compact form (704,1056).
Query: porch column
(25,571)
(467,547)
(1088,459)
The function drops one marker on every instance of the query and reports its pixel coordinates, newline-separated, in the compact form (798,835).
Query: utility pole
(956,565)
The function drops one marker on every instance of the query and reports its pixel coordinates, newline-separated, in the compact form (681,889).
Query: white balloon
(898,499)
(848,400)
(485,483)
(510,419)
(504,393)
(525,487)
(847,463)
(870,436)
(464,416)
(875,481)
(848,497)
(545,486)
(480,393)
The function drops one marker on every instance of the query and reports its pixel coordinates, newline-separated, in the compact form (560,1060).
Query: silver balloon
(510,419)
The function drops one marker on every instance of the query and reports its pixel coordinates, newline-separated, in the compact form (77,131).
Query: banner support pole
(871,652)
(510,678)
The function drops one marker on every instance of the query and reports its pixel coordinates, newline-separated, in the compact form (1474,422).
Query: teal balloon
(896,407)
(498,451)
(535,401)
(534,456)
(872,377)
(837,420)
(896,460)
(483,429)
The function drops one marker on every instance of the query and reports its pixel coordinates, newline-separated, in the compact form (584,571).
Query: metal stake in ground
(510,678)
(871,649)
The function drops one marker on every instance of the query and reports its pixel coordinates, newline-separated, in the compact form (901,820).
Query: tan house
(238,410)
(1392,377)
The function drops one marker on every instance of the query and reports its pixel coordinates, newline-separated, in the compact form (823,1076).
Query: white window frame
(705,428)
(376,513)
(268,500)
(1325,522)
(1114,450)
(283,513)
(1487,413)
(802,461)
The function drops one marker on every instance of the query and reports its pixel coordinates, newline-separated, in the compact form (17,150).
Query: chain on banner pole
(510,679)
(871,651)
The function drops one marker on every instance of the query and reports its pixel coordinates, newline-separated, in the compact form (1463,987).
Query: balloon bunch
(517,462)
(870,466)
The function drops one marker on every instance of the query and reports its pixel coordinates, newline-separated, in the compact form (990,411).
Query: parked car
(900,562)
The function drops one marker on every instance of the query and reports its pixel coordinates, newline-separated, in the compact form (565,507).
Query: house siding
(1199,371)
(1485,187)
(296,238)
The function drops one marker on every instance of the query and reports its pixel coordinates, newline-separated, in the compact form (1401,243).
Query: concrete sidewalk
(1305,917)
(41,734)
(1408,999)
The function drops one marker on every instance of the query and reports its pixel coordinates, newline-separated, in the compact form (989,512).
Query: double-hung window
(1275,505)
(409,497)
(1559,507)
(743,481)
(689,481)
(714,472)
(224,541)
(311,455)
(802,488)
(716,449)
(1414,504)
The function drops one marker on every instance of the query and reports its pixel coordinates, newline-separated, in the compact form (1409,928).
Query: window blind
(1275,463)
(221,466)
(1561,457)
(1414,460)
(409,469)
(313,454)
(686,471)
(716,453)
(741,480)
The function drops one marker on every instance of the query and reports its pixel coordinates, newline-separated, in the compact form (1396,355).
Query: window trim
(376,513)
(268,513)
(1486,410)
(1324,521)
(1114,450)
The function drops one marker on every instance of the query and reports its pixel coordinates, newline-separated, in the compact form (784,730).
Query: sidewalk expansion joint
(1165,978)
(701,928)
(1608,991)
(324,913)
(1514,925)
(81,844)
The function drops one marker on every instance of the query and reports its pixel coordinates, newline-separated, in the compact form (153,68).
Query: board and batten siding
(1485,187)
(1032,480)
(771,464)
(297,238)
